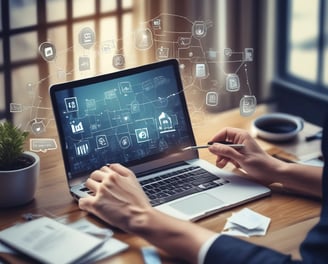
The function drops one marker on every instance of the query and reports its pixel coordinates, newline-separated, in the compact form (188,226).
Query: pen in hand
(236,146)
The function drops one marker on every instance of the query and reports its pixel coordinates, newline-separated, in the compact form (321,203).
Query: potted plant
(19,169)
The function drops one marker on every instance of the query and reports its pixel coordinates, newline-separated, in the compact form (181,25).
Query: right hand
(117,198)
(251,158)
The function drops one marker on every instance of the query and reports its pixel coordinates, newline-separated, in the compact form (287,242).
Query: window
(301,84)
(26,24)
(303,45)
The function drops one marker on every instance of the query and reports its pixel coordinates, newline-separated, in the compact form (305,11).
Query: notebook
(138,117)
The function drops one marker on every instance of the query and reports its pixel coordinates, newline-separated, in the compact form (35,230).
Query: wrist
(140,220)
(275,170)
(281,170)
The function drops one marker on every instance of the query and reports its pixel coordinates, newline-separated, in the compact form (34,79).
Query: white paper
(49,241)
(110,246)
(5,249)
(246,223)
(85,226)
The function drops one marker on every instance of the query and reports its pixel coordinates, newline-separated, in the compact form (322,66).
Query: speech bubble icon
(42,144)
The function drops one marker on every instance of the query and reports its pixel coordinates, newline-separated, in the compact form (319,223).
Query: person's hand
(118,196)
(251,158)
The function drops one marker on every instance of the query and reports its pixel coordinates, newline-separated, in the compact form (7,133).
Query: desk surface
(292,216)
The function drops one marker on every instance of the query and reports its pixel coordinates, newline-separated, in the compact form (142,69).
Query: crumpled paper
(246,223)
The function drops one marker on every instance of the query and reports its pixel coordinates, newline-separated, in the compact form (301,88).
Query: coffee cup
(277,126)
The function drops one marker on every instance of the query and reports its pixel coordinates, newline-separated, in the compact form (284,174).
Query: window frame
(283,25)
(41,28)
(309,99)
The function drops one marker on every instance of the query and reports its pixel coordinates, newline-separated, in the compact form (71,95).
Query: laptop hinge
(162,168)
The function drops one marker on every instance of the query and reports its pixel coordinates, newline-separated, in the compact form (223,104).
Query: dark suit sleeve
(314,248)
(226,249)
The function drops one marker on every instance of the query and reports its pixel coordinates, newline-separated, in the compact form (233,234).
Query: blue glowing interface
(127,117)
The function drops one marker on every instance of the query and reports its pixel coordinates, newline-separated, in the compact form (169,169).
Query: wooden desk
(292,216)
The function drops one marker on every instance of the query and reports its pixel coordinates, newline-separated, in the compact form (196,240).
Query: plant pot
(17,187)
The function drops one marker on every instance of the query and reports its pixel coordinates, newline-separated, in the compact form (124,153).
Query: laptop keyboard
(170,186)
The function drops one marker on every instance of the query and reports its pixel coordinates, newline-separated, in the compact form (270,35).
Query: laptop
(138,117)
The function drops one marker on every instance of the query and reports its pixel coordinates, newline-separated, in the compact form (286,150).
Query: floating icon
(16,108)
(249,54)
(147,85)
(94,127)
(199,29)
(71,104)
(232,82)
(38,127)
(86,37)
(227,52)
(84,63)
(212,99)
(135,107)
(142,135)
(162,53)
(42,144)
(47,51)
(156,23)
(160,80)
(77,128)
(82,148)
(118,61)
(107,46)
(200,70)
(247,105)
(211,55)
(91,104)
(184,42)
(125,142)
(101,141)
(143,39)
(110,95)
(165,123)
(125,88)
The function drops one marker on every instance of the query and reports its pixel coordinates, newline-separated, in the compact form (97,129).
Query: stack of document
(50,241)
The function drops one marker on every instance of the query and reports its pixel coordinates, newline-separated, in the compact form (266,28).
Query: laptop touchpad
(199,203)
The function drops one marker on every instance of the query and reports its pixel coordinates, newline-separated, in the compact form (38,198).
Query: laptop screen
(129,117)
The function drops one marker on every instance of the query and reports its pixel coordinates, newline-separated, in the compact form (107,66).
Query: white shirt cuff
(205,247)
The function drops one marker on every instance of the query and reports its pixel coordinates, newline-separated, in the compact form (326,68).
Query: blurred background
(274,51)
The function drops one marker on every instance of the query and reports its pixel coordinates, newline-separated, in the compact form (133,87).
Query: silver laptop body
(138,117)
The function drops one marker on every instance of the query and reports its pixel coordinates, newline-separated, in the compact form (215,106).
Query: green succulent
(12,140)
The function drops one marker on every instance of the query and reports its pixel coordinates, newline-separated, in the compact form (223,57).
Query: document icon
(247,105)
(200,70)
(232,82)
